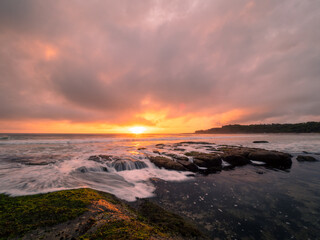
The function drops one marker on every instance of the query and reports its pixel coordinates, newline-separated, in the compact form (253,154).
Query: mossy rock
(66,215)
(19,215)
(167,221)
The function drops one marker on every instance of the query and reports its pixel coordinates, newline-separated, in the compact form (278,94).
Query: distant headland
(308,127)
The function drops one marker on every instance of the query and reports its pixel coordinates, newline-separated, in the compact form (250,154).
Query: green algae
(24,214)
(167,221)
(19,215)
(122,229)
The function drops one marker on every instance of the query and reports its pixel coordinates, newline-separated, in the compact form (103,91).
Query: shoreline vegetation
(308,127)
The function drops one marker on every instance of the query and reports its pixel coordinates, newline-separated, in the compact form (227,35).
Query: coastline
(239,190)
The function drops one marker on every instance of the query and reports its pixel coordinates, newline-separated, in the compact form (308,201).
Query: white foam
(68,155)
(225,164)
(257,162)
(127,185)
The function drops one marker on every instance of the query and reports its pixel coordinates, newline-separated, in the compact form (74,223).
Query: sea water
(249,202)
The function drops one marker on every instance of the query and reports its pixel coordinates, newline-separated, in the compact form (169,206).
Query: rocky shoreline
(202,157)
(218,157)
(89,214)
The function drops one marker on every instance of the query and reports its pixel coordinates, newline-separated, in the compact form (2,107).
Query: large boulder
(271,158)
(236,160)
(207,160)
(233,150)
(188,165)
(166,163)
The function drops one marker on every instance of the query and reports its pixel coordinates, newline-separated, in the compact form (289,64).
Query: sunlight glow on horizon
(137,129)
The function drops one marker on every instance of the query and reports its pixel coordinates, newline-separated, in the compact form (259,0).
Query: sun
(137,129)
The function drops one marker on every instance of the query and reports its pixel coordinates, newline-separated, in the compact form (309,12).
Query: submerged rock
(260,141)
(171,222)
(302,158)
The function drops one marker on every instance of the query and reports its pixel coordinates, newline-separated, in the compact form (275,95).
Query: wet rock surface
(210,157)
(167,163)
(100,158)
(302,158)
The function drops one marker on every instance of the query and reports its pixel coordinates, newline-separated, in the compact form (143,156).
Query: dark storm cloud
(101,60)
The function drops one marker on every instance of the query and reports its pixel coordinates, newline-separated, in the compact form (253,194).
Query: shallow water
(250,202)
(245,204)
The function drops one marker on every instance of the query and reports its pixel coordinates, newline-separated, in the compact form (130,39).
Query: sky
(170,66)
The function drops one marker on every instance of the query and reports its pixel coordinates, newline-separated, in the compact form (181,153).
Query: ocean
(249,202)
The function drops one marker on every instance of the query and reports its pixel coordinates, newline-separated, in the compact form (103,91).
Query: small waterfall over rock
(123,165)
(110,163)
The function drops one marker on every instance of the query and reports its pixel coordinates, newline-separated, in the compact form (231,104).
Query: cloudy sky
(172,66)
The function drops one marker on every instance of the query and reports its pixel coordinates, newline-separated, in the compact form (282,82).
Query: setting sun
(137,129)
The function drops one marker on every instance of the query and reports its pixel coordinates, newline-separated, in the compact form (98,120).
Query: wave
(115,139)
(97,140)
(128,179)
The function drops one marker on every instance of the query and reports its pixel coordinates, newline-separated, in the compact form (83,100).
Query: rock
(82,169)
(167,163)
(156,151)
(100,158)
(188,165)
(38,162)
(104,169)
(179,149)
(302,158)
(191,142)
(177,157)
(260,141)
(236,160)
(233,150)
(200,163)
(142,148)
(207,160)
(271,158)
(160,145)
(123,165)
(191,175)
